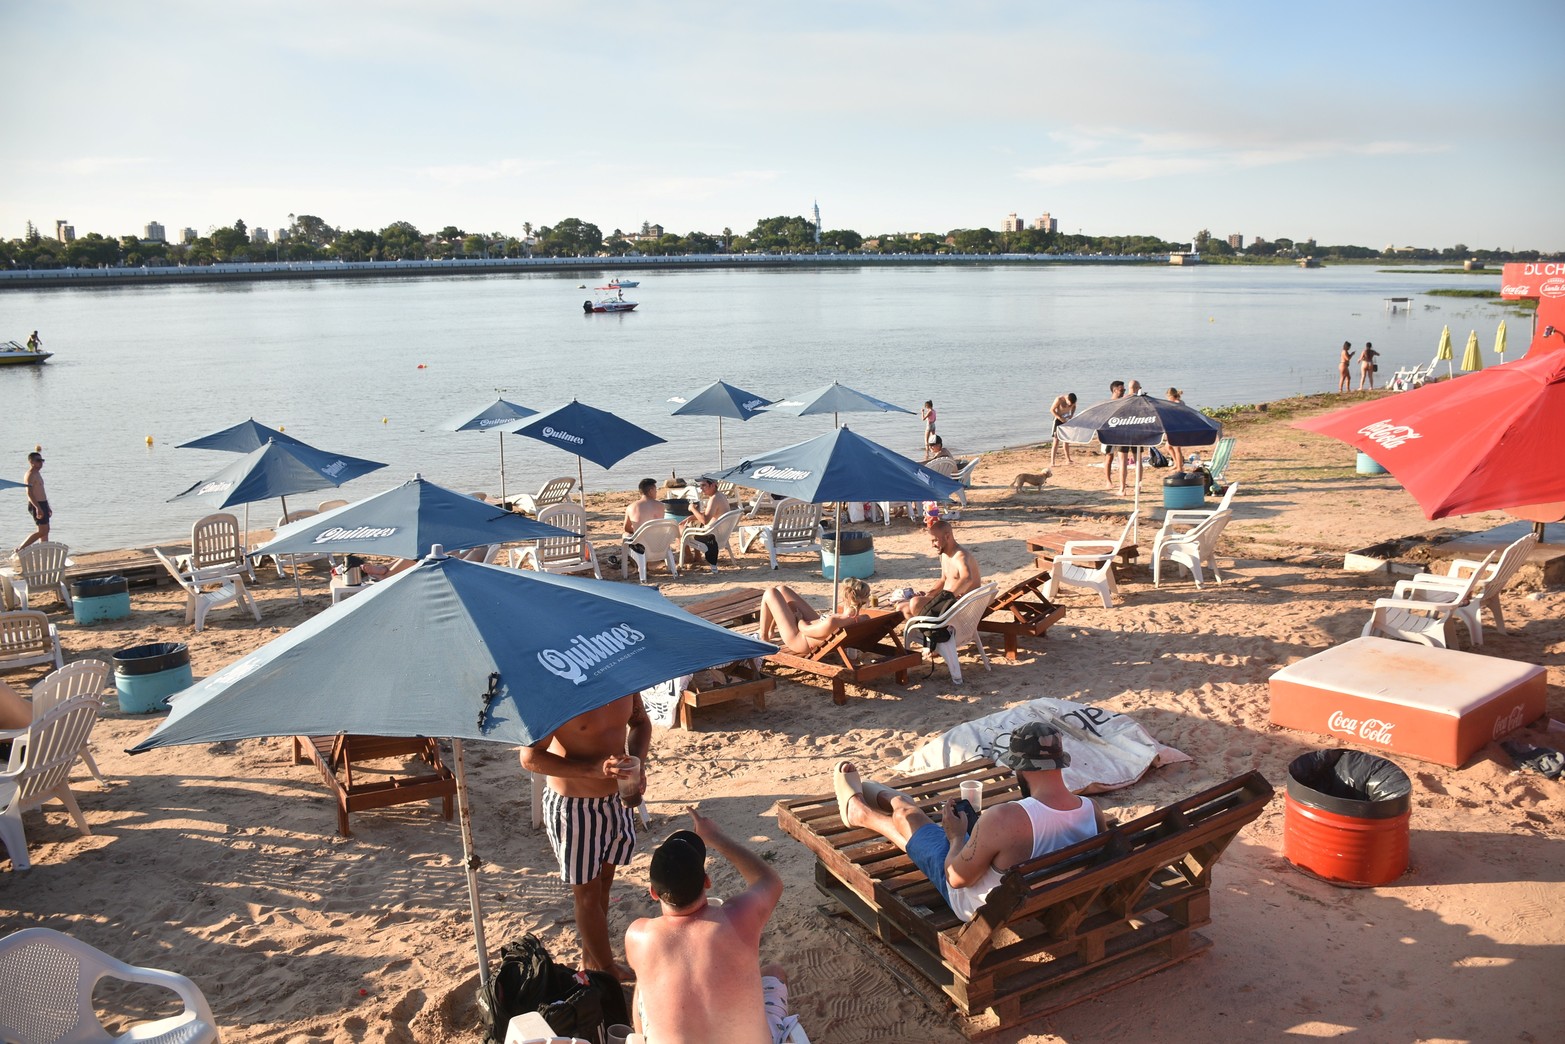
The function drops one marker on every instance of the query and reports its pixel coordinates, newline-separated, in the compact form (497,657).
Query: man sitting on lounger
(965,866)
(790,621)
(959,574)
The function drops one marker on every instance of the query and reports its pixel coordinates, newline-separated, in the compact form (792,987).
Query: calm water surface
(337,363)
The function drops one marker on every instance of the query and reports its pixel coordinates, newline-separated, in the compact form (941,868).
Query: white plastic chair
(963,618)
(296,560)
(205,595)
(658,538)
(41,567)
(560,554)
(1424,620)
(79,678)
(721,528)
(332,505)
(216,549)
(1435,587)
(46,984)
(39,771)
(795,529)
(28,638)
(1192,548)
(1088,563)
(555,491)
(948,467)
(964,475)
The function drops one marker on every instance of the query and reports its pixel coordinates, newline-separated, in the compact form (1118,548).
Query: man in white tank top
(965,866)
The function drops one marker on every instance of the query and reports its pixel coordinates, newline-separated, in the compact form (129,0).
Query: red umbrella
(1489,440)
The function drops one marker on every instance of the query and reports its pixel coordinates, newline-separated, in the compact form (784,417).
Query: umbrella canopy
(8,484)
(1462,446)
(243,437)
(406,522)
(721,399)
(277,469)
(834,398)
(497,416)
(841,465)
(1472,358)
(1444,350)
(1499,341)
(589,432)
(1141,420)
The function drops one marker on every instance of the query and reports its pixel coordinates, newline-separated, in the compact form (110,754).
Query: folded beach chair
(1021,611)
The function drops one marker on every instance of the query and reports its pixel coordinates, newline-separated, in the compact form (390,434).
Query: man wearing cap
(698,966)
(965,866)
(712,506)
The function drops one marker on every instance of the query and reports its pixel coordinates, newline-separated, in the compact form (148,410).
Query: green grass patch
(1493,272)
(1447,292)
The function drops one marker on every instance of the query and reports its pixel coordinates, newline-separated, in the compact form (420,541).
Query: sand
(222,861)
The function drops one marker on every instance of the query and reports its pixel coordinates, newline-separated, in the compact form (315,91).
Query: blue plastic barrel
(1368,465)
(1184,490)
(100,598)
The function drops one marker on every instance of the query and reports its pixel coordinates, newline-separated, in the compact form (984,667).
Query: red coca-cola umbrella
(1486,441)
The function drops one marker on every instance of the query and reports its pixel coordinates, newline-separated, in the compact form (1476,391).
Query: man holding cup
(966,862)
(596,764)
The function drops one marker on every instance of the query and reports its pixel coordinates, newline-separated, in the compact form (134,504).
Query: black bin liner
(678,507)
(99,586)
(854,542)
(1349,783)
(151,659)
(1184,478)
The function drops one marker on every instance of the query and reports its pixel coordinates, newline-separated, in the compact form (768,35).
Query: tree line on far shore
(310,238)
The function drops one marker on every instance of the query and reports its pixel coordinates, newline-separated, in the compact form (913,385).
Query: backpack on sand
(579,1003)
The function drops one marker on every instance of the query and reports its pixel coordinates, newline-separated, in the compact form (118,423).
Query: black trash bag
(1350,781)
(578,1003)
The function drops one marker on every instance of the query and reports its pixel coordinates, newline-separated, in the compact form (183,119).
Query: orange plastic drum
(1346,818)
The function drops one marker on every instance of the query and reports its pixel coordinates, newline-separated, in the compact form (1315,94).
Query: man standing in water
(37,499)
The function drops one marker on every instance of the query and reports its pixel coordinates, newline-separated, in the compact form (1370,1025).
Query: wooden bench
(1047,546)
(336,755)
(742,679)
(859,653)
(1031,614)
(1056,930)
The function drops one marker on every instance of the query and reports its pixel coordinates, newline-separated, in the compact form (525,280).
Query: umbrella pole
(1135,528)
(581,482)
(719,443)
(470,863)
(502,467)
(836,551)
(293,560)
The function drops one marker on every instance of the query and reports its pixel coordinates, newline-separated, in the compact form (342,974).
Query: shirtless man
(37,499)
(648,509)
(958,575)
(588,825)
(1064,409)
(1116,391)
(712,505)
(699,978)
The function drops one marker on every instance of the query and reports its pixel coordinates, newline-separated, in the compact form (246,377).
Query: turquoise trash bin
(856,555)
(147,675)
(1184,490)
(100,598)
(1368,465)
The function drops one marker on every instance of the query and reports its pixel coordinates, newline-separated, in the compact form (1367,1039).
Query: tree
(239,226)
(227,242)
(842,239)
(312,230)
(778,234)
(1202,238)
(402,241)
(572,237)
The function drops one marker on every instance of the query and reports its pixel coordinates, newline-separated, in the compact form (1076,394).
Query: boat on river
(13,354)
(623,284)
(617,303)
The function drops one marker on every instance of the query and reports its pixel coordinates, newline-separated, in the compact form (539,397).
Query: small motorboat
(626,284)
(608,304)
(13,354)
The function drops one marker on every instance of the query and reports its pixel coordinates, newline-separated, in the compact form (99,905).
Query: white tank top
(1051,830)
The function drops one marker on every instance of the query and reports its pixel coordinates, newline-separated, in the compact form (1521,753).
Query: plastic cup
(628,787)
(973,793)
(619,1034)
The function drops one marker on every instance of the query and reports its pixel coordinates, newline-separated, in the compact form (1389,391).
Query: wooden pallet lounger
(1057,930)
(1021,611)
(742,679)
(859,653)
(336,755)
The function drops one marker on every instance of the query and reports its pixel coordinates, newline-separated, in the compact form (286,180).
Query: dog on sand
(1027,478)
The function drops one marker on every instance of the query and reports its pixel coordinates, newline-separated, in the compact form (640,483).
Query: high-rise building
(63,232)
(188,235)
(1236,241)
(154,233)
(259,235)
(1045,223)
(1012,223)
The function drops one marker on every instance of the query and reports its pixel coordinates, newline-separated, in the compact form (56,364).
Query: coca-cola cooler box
(1433,704)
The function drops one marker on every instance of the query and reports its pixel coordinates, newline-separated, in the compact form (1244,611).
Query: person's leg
(15,712)
(892,813)
(774,995)
(591,901)
(590,836)
(1108,467)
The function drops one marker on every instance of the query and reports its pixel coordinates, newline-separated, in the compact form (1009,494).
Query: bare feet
(845,781)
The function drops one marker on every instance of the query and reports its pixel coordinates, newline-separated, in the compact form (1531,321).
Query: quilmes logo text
(753,405)
(1388,434)
(563,436)
(489,422)
(1120,422)
(330,470)
(215,487)
(585,652)
(361,533)
(771,471)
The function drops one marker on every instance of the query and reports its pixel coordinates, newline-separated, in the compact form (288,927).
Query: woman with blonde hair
(786,618)
(1175,395)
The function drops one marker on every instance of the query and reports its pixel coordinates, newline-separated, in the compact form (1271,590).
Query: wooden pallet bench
(739,680)
(1021,611)
(336,755)
(1056,930)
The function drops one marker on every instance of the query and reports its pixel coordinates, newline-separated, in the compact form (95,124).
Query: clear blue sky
(1370,122)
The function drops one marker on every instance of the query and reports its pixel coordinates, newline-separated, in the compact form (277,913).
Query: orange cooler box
(1434,704)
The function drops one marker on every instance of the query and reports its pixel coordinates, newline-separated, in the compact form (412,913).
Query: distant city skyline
(1422,124)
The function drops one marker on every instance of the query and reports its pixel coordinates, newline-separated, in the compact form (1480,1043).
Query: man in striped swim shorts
(589,825)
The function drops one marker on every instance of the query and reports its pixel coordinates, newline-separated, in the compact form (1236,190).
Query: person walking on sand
(699,977)
(1064,409)
(1344,374)
(927,415)
(588,823)
(37,500)
(1367,367)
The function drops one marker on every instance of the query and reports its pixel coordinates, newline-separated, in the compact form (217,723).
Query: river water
(374,367)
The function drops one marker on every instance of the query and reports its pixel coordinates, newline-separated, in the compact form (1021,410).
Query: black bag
(1157,458)
(937,606)
(579,1003)
(596,1001)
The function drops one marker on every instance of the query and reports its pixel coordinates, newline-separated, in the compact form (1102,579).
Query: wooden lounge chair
(859,653)
(1021,611)
(739,680)
(336,755)
(1057,930)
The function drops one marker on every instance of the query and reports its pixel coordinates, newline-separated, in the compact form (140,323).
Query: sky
(1372,123)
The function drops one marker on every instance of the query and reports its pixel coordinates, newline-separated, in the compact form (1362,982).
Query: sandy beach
(223,862)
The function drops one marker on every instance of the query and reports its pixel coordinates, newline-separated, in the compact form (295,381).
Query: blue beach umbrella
(458,649)
(497,416)
(406,522)
(589,432)
(834,398)
(8,484)
(241,438)
(721,399)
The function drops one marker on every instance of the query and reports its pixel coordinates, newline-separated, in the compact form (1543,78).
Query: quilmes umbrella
(406,522)
(1499,341)
(588,432)
(834,398)
(1444,351)
(243,437)
(841,465)
(1141,420)
(1491,441)
(497,416)
(8,484)
(721,399)
(1472,358)
(458,649)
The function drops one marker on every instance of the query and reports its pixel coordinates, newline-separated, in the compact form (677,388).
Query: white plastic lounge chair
(555,491)
(28,638)
(763,501)
(1089,563)
(77,679)
(40,567)
(963,619)
(47,981)
(1425,620)
(722,528)
(1191,548)
(964,474)
(795,529)
(1435,587)
(658,539)
(216,549)
(296,560)
(561,554)
(202,596)
(39,771)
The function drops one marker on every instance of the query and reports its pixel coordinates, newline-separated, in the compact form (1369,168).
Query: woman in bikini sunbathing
(788,619)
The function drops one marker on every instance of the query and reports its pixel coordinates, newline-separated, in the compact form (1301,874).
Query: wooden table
(1046,546)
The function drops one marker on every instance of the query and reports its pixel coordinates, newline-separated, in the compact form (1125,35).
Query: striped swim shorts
(587,832)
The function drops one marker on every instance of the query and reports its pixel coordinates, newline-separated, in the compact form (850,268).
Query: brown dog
(1029,479)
